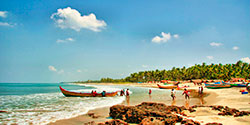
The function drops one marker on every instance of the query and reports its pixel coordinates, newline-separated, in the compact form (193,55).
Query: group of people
(185,93)
(94,93)
(122,92)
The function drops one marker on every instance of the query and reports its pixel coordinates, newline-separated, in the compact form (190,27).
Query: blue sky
(62,40)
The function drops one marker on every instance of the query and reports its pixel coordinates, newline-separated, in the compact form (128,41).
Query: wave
(50,107)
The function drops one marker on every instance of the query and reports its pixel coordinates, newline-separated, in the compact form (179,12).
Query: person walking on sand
(173,94)
(186,94)
(150,91)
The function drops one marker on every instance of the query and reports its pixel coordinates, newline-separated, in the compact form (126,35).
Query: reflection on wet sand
(127,100)
(173,102)
(201,99)
(186,103)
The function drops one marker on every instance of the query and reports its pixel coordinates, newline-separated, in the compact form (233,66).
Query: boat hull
(218,86)
(238,85)
(80,94)
(166,87)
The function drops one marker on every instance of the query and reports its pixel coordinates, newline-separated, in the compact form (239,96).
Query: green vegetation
(212,71)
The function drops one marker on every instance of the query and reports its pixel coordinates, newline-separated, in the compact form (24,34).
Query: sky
(71,40)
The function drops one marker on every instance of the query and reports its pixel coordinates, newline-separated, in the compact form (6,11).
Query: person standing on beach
(127,92)
(173,94)
(186,94)
(150,91)
(121,93)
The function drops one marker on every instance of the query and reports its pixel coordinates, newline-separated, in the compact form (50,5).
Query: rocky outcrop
(229,111)
(147,113)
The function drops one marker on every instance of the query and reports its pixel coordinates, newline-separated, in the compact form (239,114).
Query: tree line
(203,71)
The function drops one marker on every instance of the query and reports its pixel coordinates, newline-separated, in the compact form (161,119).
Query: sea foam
(50,107)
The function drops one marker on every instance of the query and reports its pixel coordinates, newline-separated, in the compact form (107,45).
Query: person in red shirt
(94,93)
(186,94)
(127,92)
(150,91)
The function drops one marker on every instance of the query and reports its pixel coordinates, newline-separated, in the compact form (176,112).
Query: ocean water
(42,103)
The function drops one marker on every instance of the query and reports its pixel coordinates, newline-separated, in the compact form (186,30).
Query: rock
(91,114)
(135,114)
(214,123)
(95,116)
(151,121)
(90,123)
(114,122)
(189,122)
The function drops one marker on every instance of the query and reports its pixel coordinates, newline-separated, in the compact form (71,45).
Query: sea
(43,103)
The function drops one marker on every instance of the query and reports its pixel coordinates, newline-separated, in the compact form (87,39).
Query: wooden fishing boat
(167,86)
(217,86)
(80,94)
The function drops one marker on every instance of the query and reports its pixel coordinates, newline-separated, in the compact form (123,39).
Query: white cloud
(176,36)
(52,68)
(235,48)
(7,24)
(210,57)
(145,66)
(78,70)
(215,44)
(165,38)
(71,18)
(3,14)
(246,59)
(65,40)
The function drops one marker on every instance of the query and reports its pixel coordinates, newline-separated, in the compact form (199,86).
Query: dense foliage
(203,71)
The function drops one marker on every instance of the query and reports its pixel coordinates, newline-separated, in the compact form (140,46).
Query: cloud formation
(235,48)
(72,19)
(165,38)
(3,14)
(7,24)
(215,44)
(67,40)
(210,57)
(52,68)
(246,59)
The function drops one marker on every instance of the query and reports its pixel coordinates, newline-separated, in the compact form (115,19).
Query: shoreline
(225,97)
(103,113)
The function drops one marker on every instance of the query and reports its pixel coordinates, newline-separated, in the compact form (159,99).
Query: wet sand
(227,97)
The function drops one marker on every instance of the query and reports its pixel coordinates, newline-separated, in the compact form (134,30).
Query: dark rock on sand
(149,111)
(229,111)
(114,122)
(214,123)
(189,122)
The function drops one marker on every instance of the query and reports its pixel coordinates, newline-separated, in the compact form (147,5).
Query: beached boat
(237,85)
(80,94)
(217,86)
(167,86)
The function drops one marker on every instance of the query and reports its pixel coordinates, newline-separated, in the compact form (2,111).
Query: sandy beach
(230,97)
